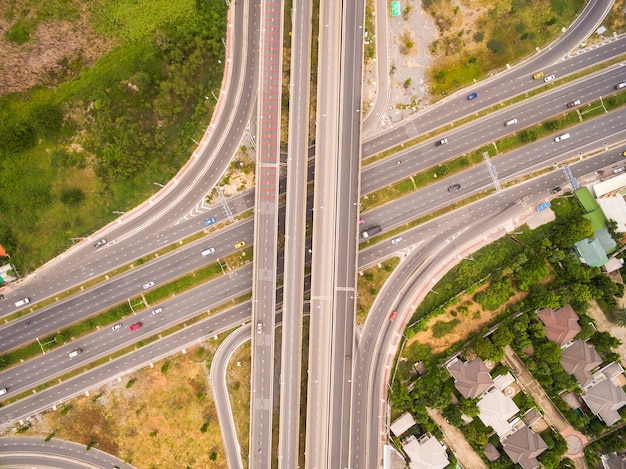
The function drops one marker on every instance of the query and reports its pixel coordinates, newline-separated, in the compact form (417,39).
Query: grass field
(479,37)
(106,121)
(157,417)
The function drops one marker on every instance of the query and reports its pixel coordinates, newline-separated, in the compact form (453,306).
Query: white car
(157,310)
(562,137)
(396,240)
(117,326)
(259,327)
(148,285)
(549,78)
(443,141)
(100,243)
(3,391)
(511,122)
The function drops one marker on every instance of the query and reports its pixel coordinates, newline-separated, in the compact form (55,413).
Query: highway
(266,234)
(28,451)
(346,234)
(174,222)
(324,235)
(295,236)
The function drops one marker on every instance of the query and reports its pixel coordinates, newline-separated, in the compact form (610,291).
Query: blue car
(209,221)
(472,96)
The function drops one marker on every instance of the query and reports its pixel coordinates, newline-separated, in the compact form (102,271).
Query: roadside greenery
(72,154)
(504,32)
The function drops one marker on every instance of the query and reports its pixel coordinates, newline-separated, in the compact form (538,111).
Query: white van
(206,252)
(75,353)
(511,122)
(22,302)
(562,137)
(621,85)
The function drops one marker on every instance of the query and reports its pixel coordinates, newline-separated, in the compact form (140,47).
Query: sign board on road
(395,9)
(543,206)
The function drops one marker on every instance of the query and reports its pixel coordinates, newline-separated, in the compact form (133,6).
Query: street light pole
(221,267)
(42,350)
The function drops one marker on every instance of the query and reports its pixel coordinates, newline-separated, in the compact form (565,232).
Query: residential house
(471,378)
(605,399)
(524,446)
(580,359)
(402,424)
(425,452)
(498,411)
(561,325)
(613,461)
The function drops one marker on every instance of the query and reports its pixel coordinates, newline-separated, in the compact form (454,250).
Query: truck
(371,231)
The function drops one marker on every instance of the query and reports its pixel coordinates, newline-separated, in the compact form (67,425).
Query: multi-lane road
(175,212)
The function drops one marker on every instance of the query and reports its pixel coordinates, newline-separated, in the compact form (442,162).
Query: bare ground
(45,58)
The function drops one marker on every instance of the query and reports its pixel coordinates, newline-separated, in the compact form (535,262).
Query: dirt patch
(240,175)
(165,417)
(472,319)
(52,52)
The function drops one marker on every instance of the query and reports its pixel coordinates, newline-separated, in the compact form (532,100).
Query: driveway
(454,439)
(575,440)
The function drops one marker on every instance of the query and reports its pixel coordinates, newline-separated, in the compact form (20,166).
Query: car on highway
(443,141)
(510,122)
(22,302)
(148,285)
(259,327)
(454,187)
(562,137)
(538,75)
(574,103)
(472,96)
(75,353)
(624,153)
(117,326)
(621,85)
(3,391)
(100,243)
(393,315)
(157,310)
(135,326)
(549,78)
(618,170)
(208,251)
(209,221)
(396,240)
(240,244)
(555,190)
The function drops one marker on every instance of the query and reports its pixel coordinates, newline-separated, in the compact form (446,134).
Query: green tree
(452,414)
(573,232)
(483,347)
(604,342)
(529,135)
(549,351)
(431,391)
(502,336)
(72,196)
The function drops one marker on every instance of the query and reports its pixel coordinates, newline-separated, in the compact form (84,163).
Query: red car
(393,315)
(135,326)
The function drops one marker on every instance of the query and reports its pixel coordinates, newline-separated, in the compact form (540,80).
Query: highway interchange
(176,212)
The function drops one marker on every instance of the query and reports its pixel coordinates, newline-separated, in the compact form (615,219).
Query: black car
(454,187)
(556,190)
